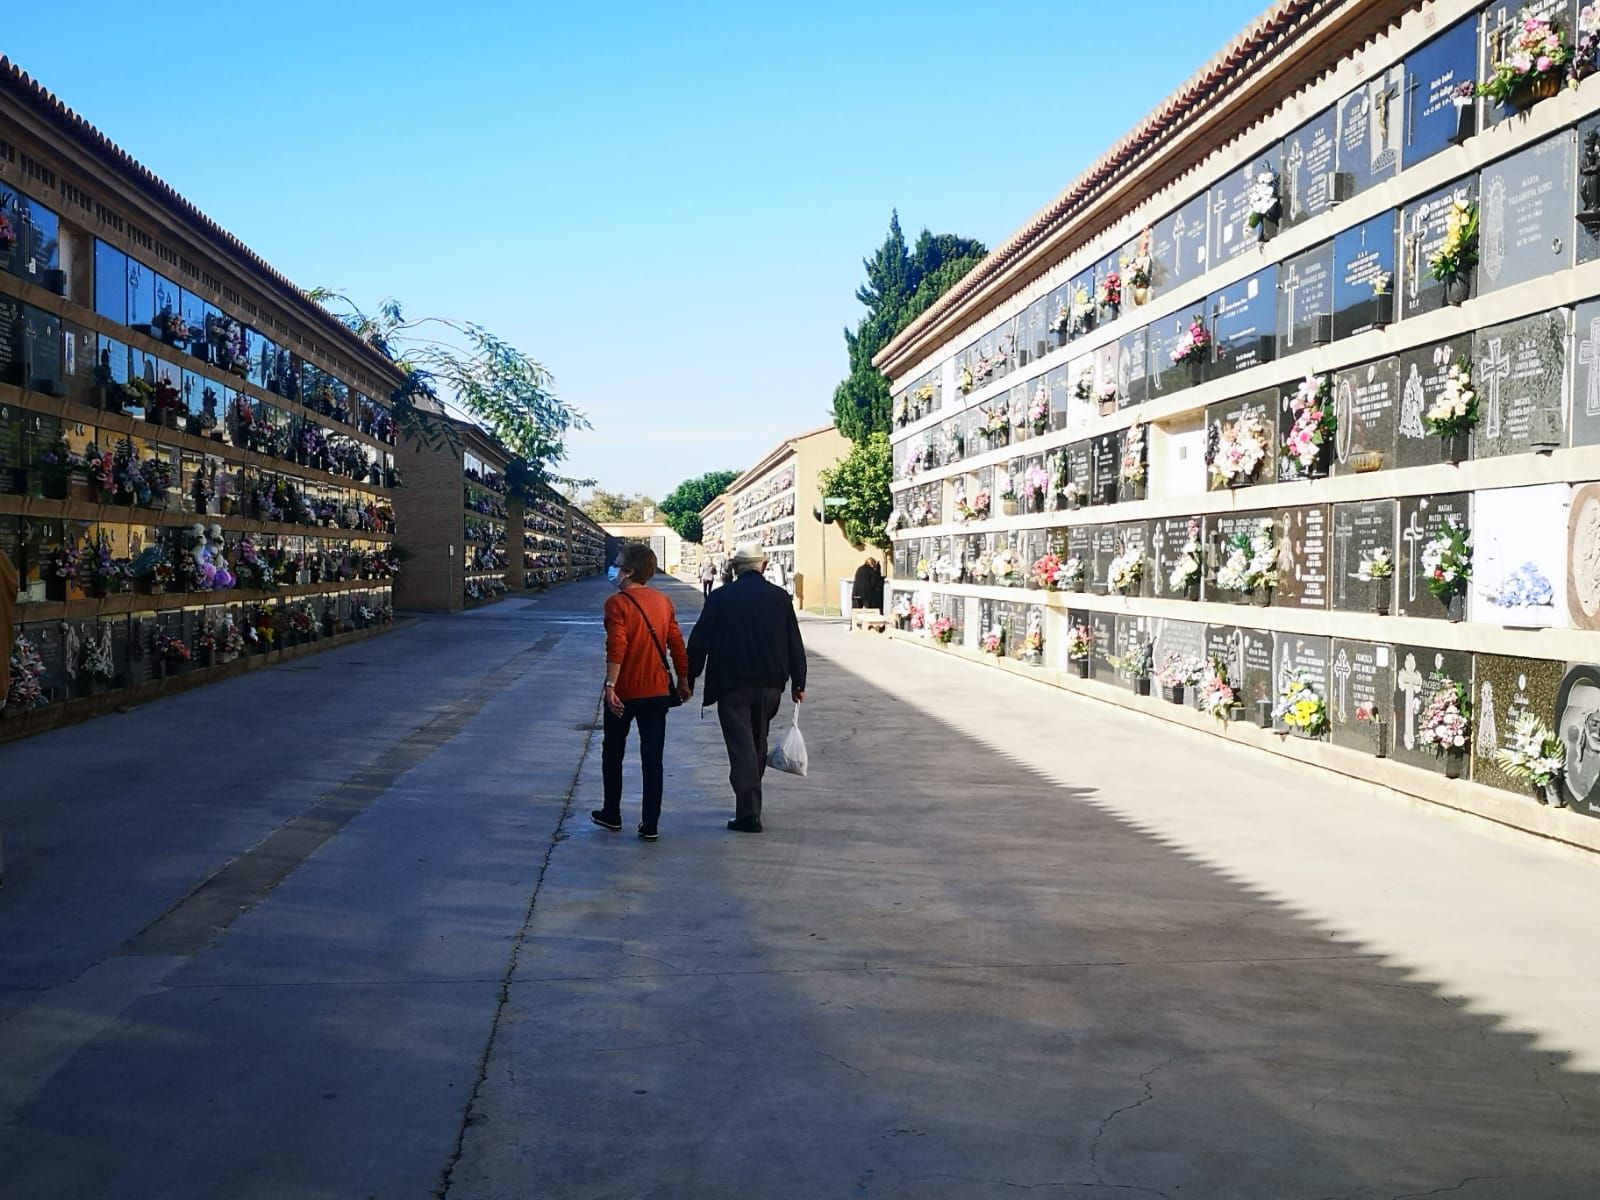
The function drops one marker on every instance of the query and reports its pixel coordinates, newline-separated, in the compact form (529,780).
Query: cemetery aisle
(1002,939)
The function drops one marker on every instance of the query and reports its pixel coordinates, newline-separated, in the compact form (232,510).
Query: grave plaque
(1238,420)
(1586,377)
(1107,452)
(1185,638)
(13,458)
(13,347)
(1223,643)
(1371,129)
(1422,378)
(1362,673)
(1421,520)
(1164,335)
(1305,300)
(1135,536)
(1366,402)
(1525,224)
(1519,369)
(1256,658)
(1243,322)
(1230,233)
(1432,73)
(1503,689)
(1166,538)
(1105,545)
(1363,260)
(42,335)
(1310,656)
(1133,382)
(1587,231)
(1501,21)
(1414,686)
(1308,165)
(119,649)
(1576,721)
(1303,559)
(47,639)
(1422,232)
(1519,545)
(1130,639)
(1103,628)
(1080,545)
(1178,245)
(1583,557)
(1222,529)
(1359,530)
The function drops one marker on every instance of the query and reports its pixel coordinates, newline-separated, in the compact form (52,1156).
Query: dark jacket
(749,634)
(867,590)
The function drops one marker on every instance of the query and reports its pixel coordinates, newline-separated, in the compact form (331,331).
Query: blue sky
(665,204)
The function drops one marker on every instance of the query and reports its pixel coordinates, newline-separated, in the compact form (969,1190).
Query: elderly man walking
(747,643)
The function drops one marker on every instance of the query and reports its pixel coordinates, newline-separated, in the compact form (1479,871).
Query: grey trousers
(746,715)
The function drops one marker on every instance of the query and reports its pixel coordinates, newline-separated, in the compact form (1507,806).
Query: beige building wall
(648,531)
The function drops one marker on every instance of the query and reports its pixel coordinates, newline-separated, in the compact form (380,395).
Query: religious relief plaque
(1520,371)
(1362,532)
(1583,557)
(1244,424)
(1432,74)
(1371,129)
(1519,546)
(1364,276)
(1423,371)
(1586,376)
(1422,232)
(1414,686)
(1303,561)
(1422,518)
(1366,408)
(1503,689)
(1244,321)
(1363,680)
(1525,224)
(1308,657)
(1308,166)
(1178,245)
(1588,227)
(1133,377)
(1305,300)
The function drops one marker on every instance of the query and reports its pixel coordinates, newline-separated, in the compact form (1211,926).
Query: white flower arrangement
(1535,754)
(1375,564)
(1241,449)
(1126,570)
(1251,560)
(1186,570)
(1261,198)
(1004,566)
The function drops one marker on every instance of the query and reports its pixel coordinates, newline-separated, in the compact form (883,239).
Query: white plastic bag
(790,754)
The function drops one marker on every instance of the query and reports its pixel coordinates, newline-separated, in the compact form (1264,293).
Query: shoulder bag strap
(660,649)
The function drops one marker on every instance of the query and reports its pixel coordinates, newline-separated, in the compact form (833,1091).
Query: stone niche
(1362,674)
(1360,530)
(1519,556)
(1525,217)
(1415,668)
(1422,379)
(1519,369)
(1366,401)
(1303,558)
(1503,688)
(1421,519)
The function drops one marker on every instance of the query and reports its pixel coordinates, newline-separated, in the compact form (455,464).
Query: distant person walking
(708,576)
(747,643)
(641,628)
(867,589)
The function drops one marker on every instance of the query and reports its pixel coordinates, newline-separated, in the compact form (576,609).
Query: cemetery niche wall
(196,462)
(1330,467)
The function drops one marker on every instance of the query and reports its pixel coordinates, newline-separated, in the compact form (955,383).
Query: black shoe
(741,825)
(598,816)
(648,833)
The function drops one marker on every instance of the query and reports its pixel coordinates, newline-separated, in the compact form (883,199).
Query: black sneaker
(599,817)
(739,825)
(648,833)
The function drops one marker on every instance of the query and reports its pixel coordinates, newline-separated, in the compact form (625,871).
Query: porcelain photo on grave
(1519,556)
(1576,721)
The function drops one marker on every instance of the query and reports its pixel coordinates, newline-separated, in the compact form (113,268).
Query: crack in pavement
(841,1062)
(1455,1187)
(1147,1079)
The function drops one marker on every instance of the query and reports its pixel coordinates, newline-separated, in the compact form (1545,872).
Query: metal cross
(1415,535)
(1496,370)
(1289,286)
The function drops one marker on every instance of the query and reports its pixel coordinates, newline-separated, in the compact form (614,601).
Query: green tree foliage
(605,507)
(901,284)
(681,508)
(862,479)
(465,364)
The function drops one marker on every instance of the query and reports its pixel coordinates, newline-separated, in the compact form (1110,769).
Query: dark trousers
(746,714)
(652,718)
(706,585)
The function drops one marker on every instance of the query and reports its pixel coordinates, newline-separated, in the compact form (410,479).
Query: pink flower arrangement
(1314,420)
(943,630)
(1037,481)
(1194,344)
(994,642)
(1445,723)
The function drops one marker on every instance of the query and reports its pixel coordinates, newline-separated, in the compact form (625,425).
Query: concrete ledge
(1396,779)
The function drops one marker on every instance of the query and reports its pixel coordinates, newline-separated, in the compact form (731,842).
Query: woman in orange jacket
(641,630)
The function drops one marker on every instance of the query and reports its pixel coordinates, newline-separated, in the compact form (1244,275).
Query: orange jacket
(630,647)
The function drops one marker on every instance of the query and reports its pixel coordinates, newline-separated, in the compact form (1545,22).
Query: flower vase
(1237,712)
(1078,585)
(1550,794)
(1454,448)
(1383,310)
(1457,290)
(1191,590)
(208,658)
(1456,607)
(1083,665)
(1141,294)
(1529,94)
(1108,407)
(1172,693)
(1197,373)
(1466,122)
(1141,685)
(1264,714)
(173,419)
(1380,600)
(1008,507)
(1380,740)
(1454,760)
(1262,597)
(55,590)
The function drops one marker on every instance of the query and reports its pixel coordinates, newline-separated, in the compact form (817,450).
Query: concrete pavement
(1001,939)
